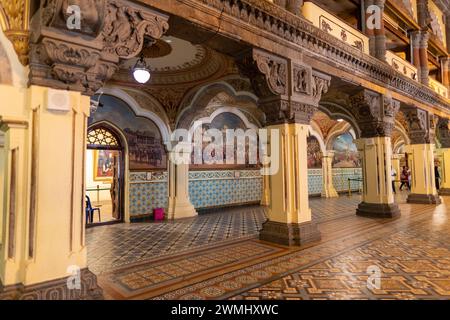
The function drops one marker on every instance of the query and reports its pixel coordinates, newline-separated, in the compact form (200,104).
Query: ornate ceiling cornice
(14,19)
(263,16)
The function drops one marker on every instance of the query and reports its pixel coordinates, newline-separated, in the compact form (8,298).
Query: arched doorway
(105,162)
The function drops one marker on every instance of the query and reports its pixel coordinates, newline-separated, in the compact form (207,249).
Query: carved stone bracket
(84,59)
(443,132)
(288,91)
(421,125)
(374,113)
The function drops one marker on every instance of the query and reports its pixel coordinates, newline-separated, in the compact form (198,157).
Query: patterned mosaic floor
(412,254)
(116,245)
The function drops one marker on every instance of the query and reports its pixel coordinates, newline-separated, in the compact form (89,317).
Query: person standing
(437,176)
(393,175)
(404,178)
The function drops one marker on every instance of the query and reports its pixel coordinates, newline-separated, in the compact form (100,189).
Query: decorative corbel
(288,92)
(84,59)
(374,113)
(421,125)
(443,132)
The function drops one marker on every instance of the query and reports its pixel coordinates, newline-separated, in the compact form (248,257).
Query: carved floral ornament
(110,30)
(14,21)
(421,125)
(288,91)
(374,113)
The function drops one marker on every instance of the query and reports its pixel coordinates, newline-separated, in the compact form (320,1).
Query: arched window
(102,138)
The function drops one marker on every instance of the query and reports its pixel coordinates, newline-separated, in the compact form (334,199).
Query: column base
(423,198)
(329,194)
(289,234)
(378,210)
(444,191)
(55,290)
(181,210)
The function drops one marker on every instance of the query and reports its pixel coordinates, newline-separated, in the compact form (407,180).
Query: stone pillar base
(378,210)
(444,191)
(289,234)
(55,290)
(181,210)
(424,198)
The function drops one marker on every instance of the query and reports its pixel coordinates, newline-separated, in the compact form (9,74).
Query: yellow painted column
(2,183)
(444,156)
(377,198)
(265,198)
(15,168)
(421,159)
(327,175)
(180,205)
(289,216)
(44,225)
(396,166)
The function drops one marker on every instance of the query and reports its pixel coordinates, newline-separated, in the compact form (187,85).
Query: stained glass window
(101,137)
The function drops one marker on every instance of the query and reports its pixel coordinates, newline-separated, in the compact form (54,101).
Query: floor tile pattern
(117,245)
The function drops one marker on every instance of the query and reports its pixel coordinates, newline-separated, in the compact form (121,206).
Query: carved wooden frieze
(83,58)
(374,113)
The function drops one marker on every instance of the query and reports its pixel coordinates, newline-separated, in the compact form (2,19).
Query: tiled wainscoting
(341,176)
(147,192)
(340,180)
(220,188)
(225,187)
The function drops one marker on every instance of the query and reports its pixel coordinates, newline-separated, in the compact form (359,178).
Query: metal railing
(350,185)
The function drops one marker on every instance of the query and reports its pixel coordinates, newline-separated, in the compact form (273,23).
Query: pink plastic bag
(158,214)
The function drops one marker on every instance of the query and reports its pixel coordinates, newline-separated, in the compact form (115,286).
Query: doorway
(104,177)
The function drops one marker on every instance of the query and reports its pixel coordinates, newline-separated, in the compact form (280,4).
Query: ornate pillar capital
(421,125)
(374,113)
(288,91)
(419,39)
(83,59)
(443,132)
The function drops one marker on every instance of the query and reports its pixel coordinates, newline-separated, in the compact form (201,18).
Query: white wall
(91,184)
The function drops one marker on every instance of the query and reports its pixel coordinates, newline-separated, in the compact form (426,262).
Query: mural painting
(346,154)
(222,122)
(314,153)
(145,147)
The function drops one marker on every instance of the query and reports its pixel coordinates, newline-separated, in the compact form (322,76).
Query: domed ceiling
(177,66)
(175,62)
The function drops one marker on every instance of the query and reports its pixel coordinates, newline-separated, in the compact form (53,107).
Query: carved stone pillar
(375,116)
(421,156)
(377,36)
(290,5)
(289,94)
(419,40)
(328,190)
(380,35)
(180,205)
(444,156)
